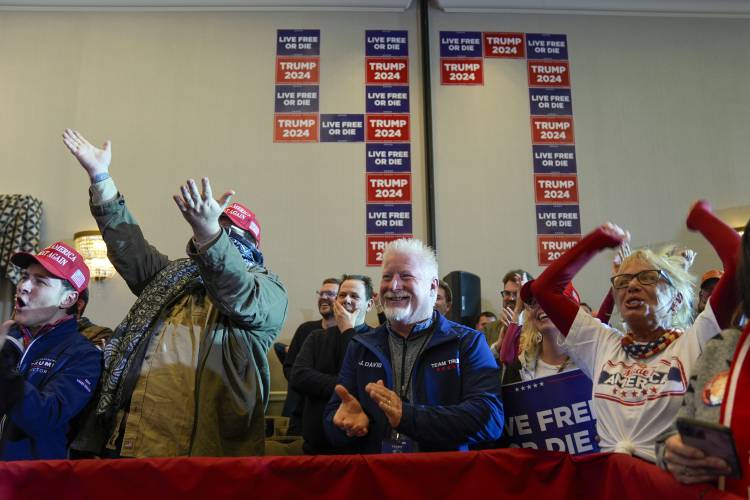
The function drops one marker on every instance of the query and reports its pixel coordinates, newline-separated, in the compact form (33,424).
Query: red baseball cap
(61,260)
(243,218)
(570,292)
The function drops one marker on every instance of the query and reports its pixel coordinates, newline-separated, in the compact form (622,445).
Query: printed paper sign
(376,245)
(389,219)
(297,69)
(556,188)
(558,219)
(554,159)
(550,101)
(386,70)
(387,99)
(387,128)
(342,128)
(552,130)
(504,45)
(543,46)
(454,71)
(388,188)
(298,42)
(551,413)
(460,44)
(550,248)
(548,73)
(297,98)
(388,157)
(383,43)
(295,127)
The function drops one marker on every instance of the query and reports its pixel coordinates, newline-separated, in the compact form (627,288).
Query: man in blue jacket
(48,370)
(419,382)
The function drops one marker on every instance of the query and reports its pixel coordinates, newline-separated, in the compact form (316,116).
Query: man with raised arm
(186,371)
(419,382)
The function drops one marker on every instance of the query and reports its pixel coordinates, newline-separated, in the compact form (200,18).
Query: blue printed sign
(297,98)
(385,43)
(550,101)
(342,128)
(388,158)
(388,219)
(554,159)
(460,44)
(558,219)
(385,99)
(298,42)
(546,46)
(551,413)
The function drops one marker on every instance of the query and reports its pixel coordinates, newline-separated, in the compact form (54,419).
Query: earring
(538,338)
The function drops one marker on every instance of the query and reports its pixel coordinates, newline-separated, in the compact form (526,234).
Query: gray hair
(423,253)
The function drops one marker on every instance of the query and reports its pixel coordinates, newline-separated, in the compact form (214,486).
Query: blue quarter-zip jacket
(53,382)
(456,387)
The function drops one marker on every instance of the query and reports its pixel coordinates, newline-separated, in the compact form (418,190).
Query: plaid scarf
(645,351)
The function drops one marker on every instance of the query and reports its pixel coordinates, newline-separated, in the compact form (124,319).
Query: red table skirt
(509,473)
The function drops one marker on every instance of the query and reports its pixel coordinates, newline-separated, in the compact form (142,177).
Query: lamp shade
(91,246)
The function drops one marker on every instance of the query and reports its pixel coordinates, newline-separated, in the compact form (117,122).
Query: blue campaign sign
(460,44)
(342,128)
(554,159)
(386,43)
(550,101)
(388,219)
(558,219)
(298,42)
(297,98)
(551,413)
(546,46)
(386,99)
(388,157)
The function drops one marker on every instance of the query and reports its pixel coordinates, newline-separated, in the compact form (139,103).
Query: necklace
(644,351)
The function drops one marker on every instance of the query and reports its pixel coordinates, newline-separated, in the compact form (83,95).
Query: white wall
(659,103)
(185,95)
(660,109)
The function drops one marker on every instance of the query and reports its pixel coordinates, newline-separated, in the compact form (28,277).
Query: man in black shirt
(317,366)
(293,406)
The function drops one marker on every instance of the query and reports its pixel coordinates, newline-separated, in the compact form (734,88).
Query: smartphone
(712,439)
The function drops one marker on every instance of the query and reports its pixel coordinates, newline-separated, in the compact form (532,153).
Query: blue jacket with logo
(39,396)
(456,390)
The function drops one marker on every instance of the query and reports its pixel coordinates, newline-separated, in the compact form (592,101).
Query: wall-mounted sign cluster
(388,135)
(558,220)
(385,127)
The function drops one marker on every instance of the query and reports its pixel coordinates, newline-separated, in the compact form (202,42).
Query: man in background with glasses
(294,404)
(512,283)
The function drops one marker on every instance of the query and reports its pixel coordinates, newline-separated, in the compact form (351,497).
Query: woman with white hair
(640,375)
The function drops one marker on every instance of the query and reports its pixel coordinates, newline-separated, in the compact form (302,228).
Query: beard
(397,314)
(328,314)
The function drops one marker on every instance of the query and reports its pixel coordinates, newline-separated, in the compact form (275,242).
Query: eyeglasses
(647,277)
(326,295)
(508,295)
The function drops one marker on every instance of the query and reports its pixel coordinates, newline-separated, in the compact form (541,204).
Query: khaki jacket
(204,381)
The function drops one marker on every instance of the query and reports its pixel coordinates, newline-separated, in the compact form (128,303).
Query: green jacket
(243,311)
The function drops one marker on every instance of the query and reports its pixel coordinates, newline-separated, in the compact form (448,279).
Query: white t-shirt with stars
(635,400)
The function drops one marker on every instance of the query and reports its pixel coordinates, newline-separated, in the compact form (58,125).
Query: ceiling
(699,8)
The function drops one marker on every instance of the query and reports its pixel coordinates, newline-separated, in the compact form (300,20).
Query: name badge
(398,443)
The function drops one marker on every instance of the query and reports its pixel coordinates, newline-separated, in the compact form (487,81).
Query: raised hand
(616,233)
(95,161)
(387,400)
(201,210)
(350,417)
